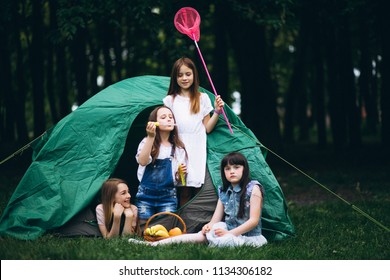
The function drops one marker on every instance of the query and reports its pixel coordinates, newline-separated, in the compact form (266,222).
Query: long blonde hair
(174,88)
(108,192)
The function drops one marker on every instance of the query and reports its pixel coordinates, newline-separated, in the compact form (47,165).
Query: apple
(175,231)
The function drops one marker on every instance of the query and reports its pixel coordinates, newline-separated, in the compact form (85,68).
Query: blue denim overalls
(157,192)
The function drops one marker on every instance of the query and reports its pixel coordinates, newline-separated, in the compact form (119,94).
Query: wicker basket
(157,238)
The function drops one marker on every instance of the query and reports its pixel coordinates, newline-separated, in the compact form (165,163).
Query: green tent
(99,140)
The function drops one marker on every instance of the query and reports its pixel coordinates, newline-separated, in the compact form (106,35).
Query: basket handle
(167,213)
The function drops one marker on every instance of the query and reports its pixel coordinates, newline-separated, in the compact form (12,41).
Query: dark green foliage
(294,58)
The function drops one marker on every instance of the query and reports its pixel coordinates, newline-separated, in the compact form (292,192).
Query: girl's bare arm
(254,213)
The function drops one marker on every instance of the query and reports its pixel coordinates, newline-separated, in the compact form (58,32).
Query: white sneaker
(136,241)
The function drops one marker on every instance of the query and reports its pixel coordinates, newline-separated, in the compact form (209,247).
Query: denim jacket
(231,202)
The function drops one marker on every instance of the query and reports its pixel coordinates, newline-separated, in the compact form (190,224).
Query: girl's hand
(134,209)
(183,168)
(151,129)
(118,209)
(129,212)
(218,103)
(180,175)
(206,228)
(220,232)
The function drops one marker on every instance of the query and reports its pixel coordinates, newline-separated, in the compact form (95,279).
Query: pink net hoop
(187,21)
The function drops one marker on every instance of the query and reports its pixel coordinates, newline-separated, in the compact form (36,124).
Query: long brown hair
(108,191)
(173,135)
(174,88)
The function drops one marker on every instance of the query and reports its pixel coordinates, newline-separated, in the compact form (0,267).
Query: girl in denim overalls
(159,156)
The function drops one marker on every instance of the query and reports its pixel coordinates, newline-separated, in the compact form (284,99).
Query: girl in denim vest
(240,202)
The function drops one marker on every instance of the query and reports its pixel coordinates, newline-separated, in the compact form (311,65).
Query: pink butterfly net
(187,22)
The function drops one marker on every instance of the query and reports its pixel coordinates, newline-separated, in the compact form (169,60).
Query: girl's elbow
(209,128)
(254,222)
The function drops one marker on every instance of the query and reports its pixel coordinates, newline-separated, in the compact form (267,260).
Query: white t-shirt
(100,215)
(193,133)
(165,152)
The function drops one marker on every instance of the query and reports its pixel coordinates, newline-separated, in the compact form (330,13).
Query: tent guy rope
(354,207)
(22,149)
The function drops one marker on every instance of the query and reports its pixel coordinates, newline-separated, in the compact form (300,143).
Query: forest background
(313,78)
(314,71)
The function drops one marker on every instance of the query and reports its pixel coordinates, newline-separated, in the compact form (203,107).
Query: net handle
(189,31)
(212,84)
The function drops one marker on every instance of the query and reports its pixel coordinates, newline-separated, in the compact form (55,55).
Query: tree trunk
(51,89)
(62,80)
(37,69)
(221,68)
(319,83)
(7,102)
(94,48)
(21,90)
(118,54)
(258,105)
(384,23)
(366,71)
(347,84)
(338,120)
(80,65)
(105,38)
(296,90)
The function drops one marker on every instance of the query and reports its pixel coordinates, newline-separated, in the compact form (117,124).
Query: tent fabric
(71,161)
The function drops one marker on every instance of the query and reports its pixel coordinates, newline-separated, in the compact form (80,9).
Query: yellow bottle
(183,180)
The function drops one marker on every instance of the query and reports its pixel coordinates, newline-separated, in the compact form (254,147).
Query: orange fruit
(175,231)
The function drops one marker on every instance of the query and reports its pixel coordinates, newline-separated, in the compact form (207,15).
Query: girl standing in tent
(237,218)
(192,111)
(115,215)
(160,155)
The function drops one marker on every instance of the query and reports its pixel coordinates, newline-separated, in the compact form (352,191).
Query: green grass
(326,231)
(326,227)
